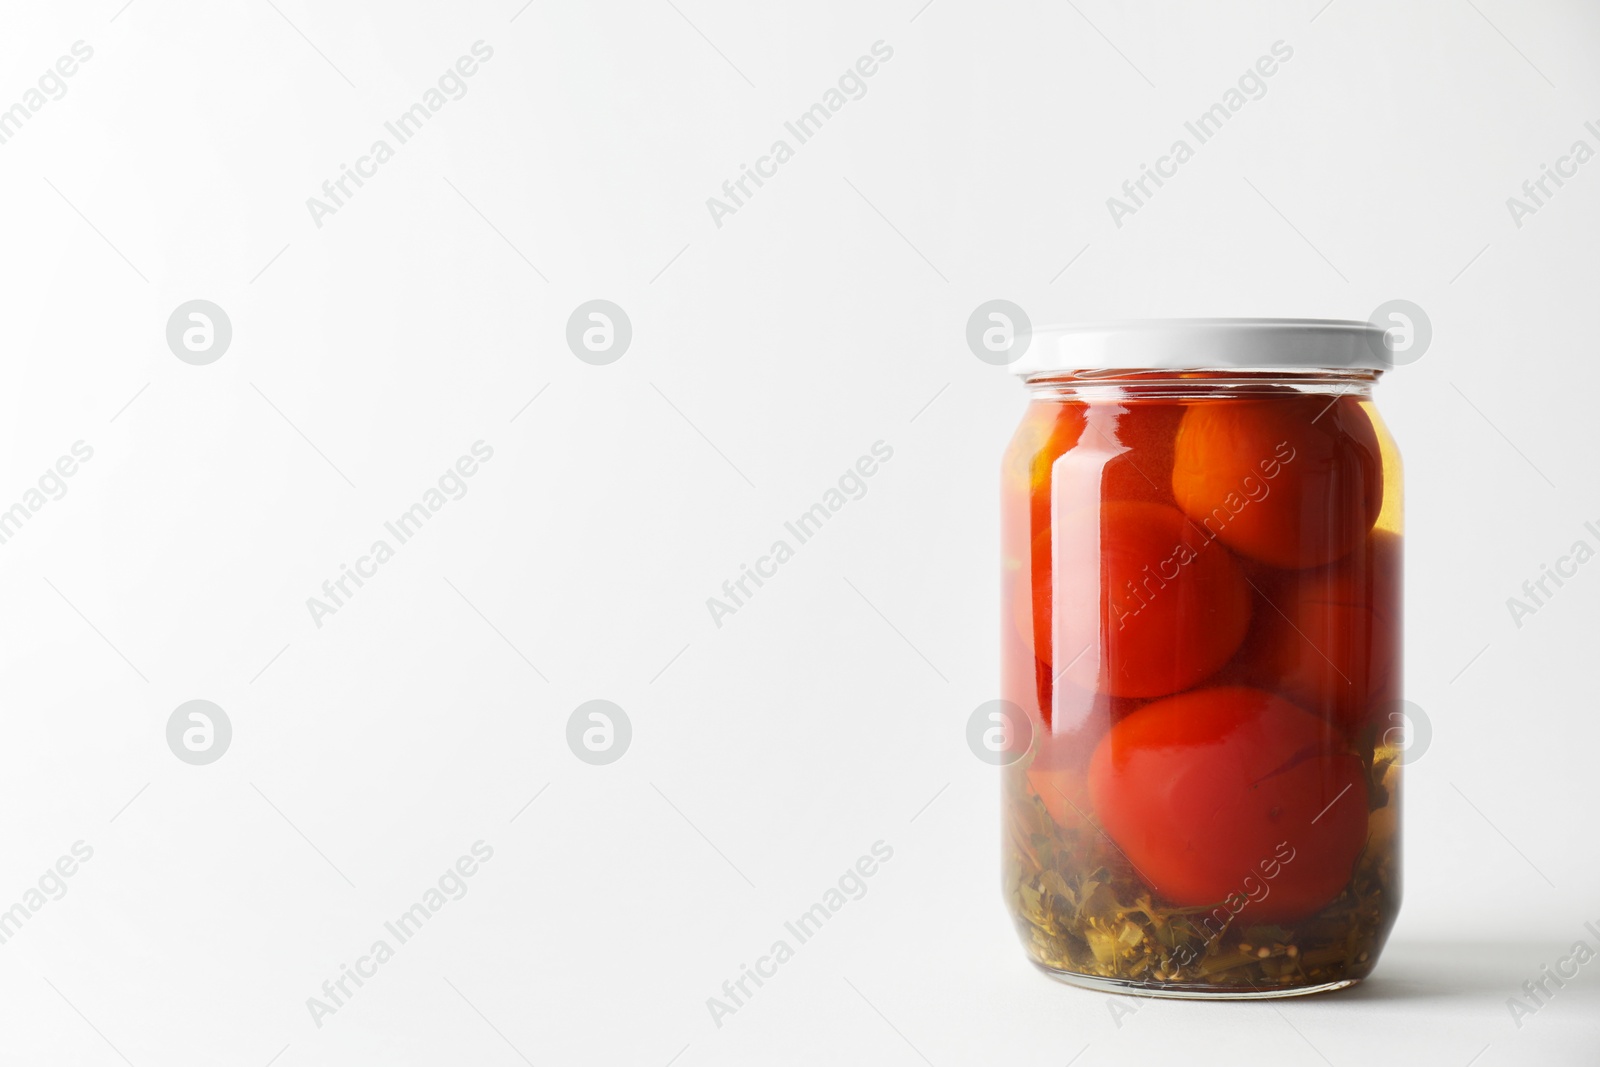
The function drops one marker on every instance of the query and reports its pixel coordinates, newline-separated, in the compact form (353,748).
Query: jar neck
(1197,384)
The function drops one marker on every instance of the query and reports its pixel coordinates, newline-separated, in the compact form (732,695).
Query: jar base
(1178,991)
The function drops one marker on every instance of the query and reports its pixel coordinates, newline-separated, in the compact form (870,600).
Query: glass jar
(1201,639)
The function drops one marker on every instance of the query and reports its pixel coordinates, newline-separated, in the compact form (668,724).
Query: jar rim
(1204,344)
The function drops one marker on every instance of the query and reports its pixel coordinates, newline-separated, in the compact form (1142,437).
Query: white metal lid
(1206,344)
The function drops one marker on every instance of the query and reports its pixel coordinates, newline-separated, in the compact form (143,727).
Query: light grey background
(767,355)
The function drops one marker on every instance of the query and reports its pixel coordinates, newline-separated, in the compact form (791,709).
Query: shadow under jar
(1202,559)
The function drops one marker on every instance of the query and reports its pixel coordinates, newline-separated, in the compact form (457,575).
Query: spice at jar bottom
(1201,547)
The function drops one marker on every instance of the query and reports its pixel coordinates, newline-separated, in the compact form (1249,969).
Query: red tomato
(1059,771)
(1070,454)
(1294,481)
(1233,793)
(1059,775)
(1330,641)
(1144,603)
(1048,429)
(1133,440)
(1030,598)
